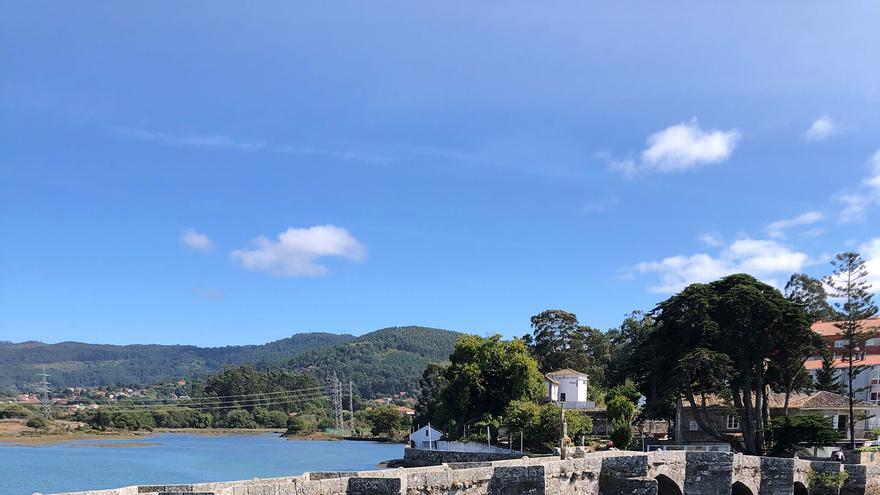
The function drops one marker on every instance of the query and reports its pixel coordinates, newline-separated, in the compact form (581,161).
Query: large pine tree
(849,284)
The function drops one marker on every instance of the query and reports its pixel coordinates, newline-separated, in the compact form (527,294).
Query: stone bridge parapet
(604,473)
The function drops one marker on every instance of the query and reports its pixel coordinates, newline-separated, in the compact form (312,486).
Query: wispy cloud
(218,142)
(678,148)
(821,129)
(764,259)
(857,202)
(711,239)
(297,250)
(778,228)
(196,241)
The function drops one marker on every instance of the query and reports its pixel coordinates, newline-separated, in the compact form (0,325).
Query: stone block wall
(606,473)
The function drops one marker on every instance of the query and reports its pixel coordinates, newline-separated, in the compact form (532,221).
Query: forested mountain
(383,362)
(72,364)
(380,362)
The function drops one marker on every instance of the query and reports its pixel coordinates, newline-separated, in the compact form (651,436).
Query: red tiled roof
(870,360)
(815,400)
(827,328)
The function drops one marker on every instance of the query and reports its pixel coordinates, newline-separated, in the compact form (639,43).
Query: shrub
(621,433)
(827,480)
(37,423)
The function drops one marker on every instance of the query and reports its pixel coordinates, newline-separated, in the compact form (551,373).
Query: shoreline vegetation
(16,433)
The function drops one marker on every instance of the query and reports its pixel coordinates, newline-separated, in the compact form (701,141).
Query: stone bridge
(606,473)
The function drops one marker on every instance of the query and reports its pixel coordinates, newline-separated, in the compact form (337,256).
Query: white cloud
(712,240)
(856,203)
(777,229)
(822,128)
(760,258)
(196,241)
(870,251)
(679,148)
(297,251)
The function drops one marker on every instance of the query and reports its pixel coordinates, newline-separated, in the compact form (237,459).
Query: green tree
(826,376)
(300,425)
(635,329)
(791,433)
(484,376)
(539,424)
(720,339)
(430,385)
(559,341)
(385,420)
(849,283)
(810,294)
(239,418)
(37,423)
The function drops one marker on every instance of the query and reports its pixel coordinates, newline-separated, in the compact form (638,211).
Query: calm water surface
(176,458)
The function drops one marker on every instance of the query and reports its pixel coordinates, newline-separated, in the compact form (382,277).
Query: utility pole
(337,402)
(43,390)
(351,406)
(563,427)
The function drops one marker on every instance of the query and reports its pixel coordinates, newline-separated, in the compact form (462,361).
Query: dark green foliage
(826,376)
(386,421)
(621,433)
(300,425)
(37,423)
(720,338)
(635,329)
(621,409)
(791,433)
(430,385)
(849,284)
(75,364)
(539,424)
(383,362)
(810,293)
(9,411)
(239,418)
(559,341)
(484,376)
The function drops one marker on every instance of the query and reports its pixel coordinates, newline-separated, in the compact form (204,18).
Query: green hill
(76,364)
(382,362)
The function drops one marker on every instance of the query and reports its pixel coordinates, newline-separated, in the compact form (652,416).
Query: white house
(568,388)
(425,438)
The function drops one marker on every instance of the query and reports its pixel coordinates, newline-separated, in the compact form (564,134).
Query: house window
(841,422)
(872,342)
(694,426)
(562,397)
(875,397)
(839,344)
(732,422)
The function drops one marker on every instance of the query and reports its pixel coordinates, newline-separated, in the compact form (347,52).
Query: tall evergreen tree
(849,283)
(809,293)
(826,376)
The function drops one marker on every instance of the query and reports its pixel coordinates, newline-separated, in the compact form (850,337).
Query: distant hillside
(73,364)
(383,362)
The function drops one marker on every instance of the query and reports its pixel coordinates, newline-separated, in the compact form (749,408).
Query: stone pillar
(777,476)
(517,480)
(708,473)
(375,486)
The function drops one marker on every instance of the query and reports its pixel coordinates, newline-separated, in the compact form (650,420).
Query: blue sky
(220,173)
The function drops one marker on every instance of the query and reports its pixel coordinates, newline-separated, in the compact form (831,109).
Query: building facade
(867,383)
(568,388)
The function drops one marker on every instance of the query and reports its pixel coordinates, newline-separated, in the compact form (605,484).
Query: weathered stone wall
(606,473)
(421,457)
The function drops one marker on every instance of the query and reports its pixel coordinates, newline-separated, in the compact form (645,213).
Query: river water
(176,458)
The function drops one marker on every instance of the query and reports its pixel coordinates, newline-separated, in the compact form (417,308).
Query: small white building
(568,388)
(425,438)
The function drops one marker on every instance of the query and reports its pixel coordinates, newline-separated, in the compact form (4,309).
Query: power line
(158,408)
(337,402)
(42,389)
(237,403)
(223,399)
